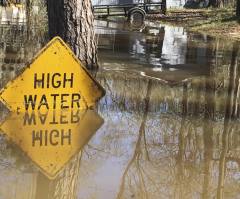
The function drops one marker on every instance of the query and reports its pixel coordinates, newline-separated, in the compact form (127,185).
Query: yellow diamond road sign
(52,138)
(54,80)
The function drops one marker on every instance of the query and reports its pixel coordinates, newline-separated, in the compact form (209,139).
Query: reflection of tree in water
(138,152)
(232,109)
(181,145)
(64,186)
(181,152)
(209,117)
(176,152)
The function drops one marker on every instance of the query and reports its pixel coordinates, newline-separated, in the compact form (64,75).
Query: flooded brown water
(171,119)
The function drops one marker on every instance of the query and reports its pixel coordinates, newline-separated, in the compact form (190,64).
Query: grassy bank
(217,22)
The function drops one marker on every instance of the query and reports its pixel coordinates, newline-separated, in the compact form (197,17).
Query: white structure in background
(12,15)
(175,3)
(174,45)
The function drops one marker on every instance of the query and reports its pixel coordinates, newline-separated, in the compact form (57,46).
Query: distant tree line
(238,8)
(194,4)
(225,3)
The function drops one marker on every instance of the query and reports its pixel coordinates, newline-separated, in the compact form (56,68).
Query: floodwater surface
(168,127)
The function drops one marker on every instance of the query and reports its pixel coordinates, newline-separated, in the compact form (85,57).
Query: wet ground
(168,126)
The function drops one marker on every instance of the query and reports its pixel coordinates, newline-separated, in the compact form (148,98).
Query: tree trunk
(216,3)
(28,4)
(238,8)
(73,20)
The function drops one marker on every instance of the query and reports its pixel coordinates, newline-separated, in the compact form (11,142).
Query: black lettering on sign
(54,134)
(66,136)
(43,102)
(43,117)
(37,136)
(54,100)
(30,101)
(48,80)
(38,82)
(76,100)
(64,100)
(56,83)
(29,119)
(51,138)
(63,118)
(54,120)
(67,80)
(75,118)
(55,80)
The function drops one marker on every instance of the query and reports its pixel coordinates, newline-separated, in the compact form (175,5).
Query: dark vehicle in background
(132,9)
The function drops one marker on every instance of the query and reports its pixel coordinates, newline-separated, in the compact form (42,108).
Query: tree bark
(238,8)
(28,4)
(73,20)
(216,3)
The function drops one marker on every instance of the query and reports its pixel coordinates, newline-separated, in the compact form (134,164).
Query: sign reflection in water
(52,138)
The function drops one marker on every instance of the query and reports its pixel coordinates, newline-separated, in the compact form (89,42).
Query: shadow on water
(171,119)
